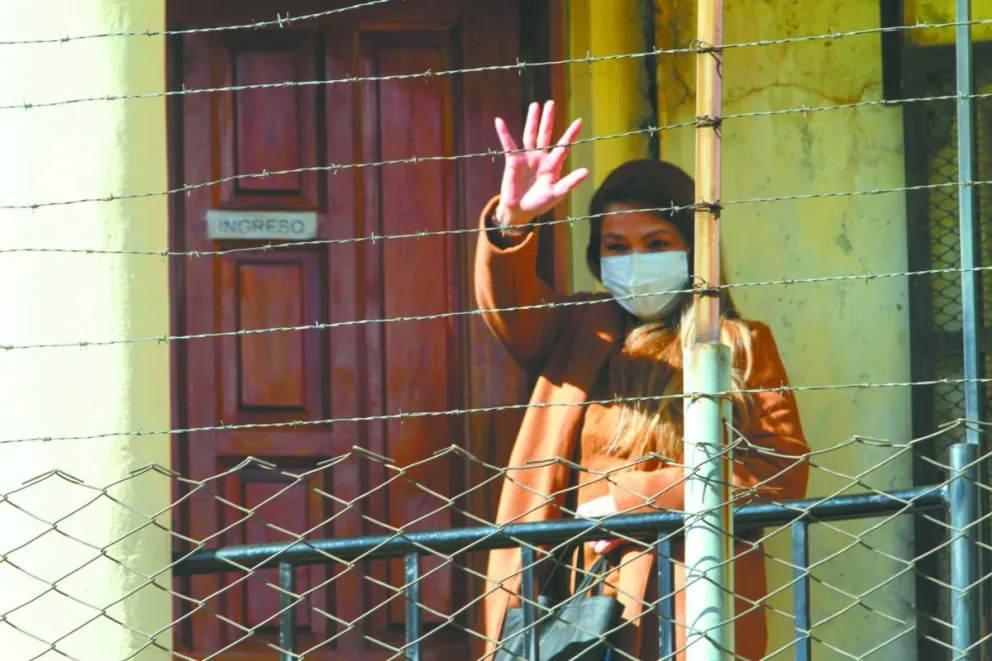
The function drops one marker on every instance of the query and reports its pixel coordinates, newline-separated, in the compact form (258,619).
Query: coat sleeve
(771,463)
(506,277)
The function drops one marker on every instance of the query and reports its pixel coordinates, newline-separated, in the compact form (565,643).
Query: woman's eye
(658,244)
(615,248)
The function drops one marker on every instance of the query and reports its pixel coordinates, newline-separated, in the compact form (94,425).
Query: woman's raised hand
(532,181)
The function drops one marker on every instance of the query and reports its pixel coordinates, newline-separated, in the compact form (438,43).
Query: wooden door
(265,479)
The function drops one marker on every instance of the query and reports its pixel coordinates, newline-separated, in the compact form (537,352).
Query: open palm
(532,181)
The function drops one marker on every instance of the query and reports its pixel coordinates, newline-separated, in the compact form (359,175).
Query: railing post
(414,630)
(666,597)
(962,503)
(708,531)
(528,596)
(287,617)
(800,590)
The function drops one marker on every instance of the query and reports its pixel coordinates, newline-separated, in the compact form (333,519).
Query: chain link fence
(288,595)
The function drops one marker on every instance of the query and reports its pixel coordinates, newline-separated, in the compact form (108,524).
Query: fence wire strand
(280,21)
(517,66)
(187,189)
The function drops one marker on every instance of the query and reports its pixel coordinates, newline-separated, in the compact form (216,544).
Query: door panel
(413,350)
(271,481)
(270,129)
(272,376)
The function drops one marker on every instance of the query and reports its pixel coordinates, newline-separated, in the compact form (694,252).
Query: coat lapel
(534,480)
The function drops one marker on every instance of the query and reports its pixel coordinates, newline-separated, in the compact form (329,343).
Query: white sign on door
(260,225)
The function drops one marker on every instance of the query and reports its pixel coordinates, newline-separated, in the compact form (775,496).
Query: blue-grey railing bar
(287,607)
(411,576)
(531,635)
(484,538)
(800,590)
(963,515)
(666,592)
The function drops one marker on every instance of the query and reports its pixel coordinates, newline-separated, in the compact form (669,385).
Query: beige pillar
(81,534)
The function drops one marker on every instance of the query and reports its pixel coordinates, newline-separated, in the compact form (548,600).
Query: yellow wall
(609,97)
(828,333)
(63,153)
(937,12)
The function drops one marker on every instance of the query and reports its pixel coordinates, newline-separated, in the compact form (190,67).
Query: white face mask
(646,273)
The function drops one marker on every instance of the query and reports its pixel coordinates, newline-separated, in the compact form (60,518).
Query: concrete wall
(831,333)
(54,528)
(938,12)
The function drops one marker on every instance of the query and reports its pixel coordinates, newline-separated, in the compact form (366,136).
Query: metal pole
(966,217)
(800,590)
(414,628)
(532,643)
(709,523)
(709,106)
(287,619)
(971,305)
(962,501)
(666,597)
(708,546)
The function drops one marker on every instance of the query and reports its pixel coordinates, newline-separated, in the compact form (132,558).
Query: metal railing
(958,496)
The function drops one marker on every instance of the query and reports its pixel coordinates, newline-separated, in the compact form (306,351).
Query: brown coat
(566,347)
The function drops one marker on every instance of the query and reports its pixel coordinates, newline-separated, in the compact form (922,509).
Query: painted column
(83,529)
(611,97)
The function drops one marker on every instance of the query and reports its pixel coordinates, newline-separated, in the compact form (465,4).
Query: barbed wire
(279,21)
(335,168)
(298,424)
(589,58)
(578,302)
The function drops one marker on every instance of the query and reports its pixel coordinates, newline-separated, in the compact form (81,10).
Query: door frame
(544,41)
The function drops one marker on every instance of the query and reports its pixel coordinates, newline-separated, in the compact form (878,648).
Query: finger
(547,126)
(604,546)
(560,153)
(568,137)
(566,184)
(505,139)
(530,128)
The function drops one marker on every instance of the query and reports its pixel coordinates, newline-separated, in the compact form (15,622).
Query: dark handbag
(578,628)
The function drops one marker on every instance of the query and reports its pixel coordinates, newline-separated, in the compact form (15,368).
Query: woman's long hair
(649,368)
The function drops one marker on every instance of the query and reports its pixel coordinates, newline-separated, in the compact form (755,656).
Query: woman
(625,348)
